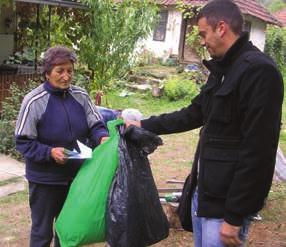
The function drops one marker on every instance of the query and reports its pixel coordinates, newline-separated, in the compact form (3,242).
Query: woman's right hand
(58,155)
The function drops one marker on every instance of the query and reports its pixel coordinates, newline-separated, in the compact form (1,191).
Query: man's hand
(58,155)
(131,122)
(230,235)
(103,139)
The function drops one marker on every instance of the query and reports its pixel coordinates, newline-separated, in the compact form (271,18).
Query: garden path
(11,175)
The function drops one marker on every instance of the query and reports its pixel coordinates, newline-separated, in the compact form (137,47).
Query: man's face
(211,38)
(61,75)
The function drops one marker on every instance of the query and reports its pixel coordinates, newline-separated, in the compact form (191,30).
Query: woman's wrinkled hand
(103,139)
(58,155)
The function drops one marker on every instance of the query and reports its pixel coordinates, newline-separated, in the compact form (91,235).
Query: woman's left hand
(58,155)
(103,139)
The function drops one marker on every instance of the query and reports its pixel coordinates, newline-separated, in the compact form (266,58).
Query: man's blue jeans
(206,231)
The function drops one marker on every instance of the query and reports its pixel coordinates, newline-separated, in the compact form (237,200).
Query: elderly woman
(52,118)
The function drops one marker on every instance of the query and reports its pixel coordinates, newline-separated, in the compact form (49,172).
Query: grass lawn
(147,104)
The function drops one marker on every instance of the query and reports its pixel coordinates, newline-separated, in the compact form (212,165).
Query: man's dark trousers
(46,202)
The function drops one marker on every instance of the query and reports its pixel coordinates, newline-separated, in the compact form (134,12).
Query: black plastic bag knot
(142,139)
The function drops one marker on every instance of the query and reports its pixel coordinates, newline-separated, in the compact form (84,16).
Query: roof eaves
(256,10)
(176,2)
(266,20)
(61,3)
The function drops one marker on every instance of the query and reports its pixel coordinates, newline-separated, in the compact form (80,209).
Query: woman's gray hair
(57,55)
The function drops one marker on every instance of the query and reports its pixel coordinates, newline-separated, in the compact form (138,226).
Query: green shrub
(10,108)
(82,80)
(275,45)
(180,87)
(7,140)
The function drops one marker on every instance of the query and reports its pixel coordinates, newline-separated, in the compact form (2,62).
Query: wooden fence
(7,80)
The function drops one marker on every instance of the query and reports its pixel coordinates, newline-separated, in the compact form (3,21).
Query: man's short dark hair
(222,10)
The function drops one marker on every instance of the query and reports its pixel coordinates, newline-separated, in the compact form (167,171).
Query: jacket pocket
(222,105)
(217,167)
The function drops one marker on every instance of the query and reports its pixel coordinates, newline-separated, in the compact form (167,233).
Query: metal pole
(49,31)
(16,30)
(37,37)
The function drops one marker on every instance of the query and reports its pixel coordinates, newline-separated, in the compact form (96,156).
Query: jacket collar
(56,91)
(220,66)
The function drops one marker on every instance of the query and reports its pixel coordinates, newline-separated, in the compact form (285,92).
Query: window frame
(160,30)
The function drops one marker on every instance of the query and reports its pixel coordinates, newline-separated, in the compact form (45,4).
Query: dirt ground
(262,234)
(171,161)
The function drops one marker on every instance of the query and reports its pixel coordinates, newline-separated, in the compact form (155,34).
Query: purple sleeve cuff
(97,132)
(49,153)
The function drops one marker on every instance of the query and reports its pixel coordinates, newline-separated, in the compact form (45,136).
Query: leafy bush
(10,108)
(26,57)
(179,87)
(193,40)
(7,142)
(110,35)
(276,45)
(189,12)
(81,79)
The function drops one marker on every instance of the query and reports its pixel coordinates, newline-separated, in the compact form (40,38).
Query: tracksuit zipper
(67,115)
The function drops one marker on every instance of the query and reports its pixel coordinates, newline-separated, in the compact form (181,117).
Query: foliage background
(273,5)
(275,46)
(111,34)
(10,108)
(182,86)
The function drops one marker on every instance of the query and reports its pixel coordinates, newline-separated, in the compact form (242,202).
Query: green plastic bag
(82,219)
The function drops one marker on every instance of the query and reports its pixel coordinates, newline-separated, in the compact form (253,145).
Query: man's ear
(222,28)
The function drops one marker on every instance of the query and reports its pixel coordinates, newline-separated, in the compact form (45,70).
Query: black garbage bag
(135,217)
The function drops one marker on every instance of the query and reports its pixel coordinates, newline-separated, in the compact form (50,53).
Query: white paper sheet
(85,152)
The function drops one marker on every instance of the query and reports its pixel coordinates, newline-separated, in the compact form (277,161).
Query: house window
(247,26)
(160,30)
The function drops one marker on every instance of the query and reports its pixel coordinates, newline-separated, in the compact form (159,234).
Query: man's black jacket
(239,110)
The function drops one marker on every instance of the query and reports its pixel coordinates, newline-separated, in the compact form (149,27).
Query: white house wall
(257,33)
(171,43)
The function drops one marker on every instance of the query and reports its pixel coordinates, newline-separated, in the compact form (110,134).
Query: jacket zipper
(67,115)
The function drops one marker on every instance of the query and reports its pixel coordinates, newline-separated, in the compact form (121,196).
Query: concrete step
(13,187)
(10,168)
(140,87)
(144,80)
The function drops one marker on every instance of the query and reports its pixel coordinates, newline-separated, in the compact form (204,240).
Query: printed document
(85,152)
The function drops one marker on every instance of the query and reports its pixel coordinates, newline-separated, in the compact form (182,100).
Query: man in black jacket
(239,110)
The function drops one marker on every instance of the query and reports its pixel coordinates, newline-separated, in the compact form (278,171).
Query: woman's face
(61,75)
